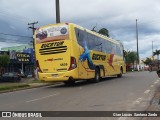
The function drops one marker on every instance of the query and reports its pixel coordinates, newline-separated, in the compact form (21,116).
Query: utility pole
(32,27)
(137,44)
(152,50)
(57,12)
(33,30)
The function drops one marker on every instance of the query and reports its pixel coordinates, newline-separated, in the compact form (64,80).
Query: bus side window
(79,36)
(90,41)
(119,50)
(108,47)
(113,50)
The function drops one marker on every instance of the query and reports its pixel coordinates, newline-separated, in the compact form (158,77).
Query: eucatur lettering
(98,57)
(55,44)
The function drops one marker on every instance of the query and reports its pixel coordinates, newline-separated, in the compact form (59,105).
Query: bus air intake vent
(53,50)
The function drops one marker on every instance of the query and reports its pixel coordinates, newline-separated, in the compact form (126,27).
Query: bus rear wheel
(69,82)
(97,75)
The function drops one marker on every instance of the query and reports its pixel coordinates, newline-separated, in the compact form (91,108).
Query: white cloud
(118,16)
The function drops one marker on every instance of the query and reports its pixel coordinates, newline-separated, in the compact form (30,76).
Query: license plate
(54,75)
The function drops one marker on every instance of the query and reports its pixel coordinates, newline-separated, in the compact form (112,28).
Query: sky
(118,16)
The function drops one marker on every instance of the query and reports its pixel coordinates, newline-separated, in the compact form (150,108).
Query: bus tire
(120,74)
(97,75)
(69,82)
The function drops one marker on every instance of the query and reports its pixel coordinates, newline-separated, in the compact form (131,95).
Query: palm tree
(157,52)
(148,61)
(131,57)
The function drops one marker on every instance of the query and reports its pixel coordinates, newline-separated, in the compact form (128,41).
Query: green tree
(104,32)
(131,57)
(4,61)
(148,61)
(157,52)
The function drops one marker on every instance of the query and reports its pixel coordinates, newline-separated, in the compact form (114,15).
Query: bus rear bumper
(55,76)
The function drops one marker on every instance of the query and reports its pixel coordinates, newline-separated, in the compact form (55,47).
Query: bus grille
(53,50)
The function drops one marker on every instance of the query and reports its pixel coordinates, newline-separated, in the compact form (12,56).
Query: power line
(13,40)
(15,35)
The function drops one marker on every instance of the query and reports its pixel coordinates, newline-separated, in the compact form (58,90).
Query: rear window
(52,33)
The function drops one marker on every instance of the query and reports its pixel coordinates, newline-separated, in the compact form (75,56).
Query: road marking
(122,118)
(42,98)
(152,86)
(147,91)
(155,82)
(138,100)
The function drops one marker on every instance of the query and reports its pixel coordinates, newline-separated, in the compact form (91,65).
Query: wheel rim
(97,76)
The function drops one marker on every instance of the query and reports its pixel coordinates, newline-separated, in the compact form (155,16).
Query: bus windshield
(52,33)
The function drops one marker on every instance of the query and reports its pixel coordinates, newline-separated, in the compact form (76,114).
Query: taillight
(38,67)
(73,63)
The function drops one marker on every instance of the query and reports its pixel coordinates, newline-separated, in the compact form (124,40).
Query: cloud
(118,16)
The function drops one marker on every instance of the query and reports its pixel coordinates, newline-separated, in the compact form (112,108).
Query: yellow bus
(67,52)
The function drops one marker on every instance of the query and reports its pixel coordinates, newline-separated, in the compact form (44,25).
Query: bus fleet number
(63,64)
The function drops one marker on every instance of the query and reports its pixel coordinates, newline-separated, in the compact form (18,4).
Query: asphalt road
(132,92)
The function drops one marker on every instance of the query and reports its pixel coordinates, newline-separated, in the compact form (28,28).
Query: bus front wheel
(121,72)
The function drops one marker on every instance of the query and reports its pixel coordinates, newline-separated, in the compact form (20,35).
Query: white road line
(42,98)
(152,86)
(155,82)
(138,100)
(122,118)
(147,91)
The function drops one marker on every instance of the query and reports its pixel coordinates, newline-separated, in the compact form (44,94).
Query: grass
(4,87)
(18,86)
(38,81)
(13,87)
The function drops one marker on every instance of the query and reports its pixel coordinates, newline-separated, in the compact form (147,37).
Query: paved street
(131,92)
